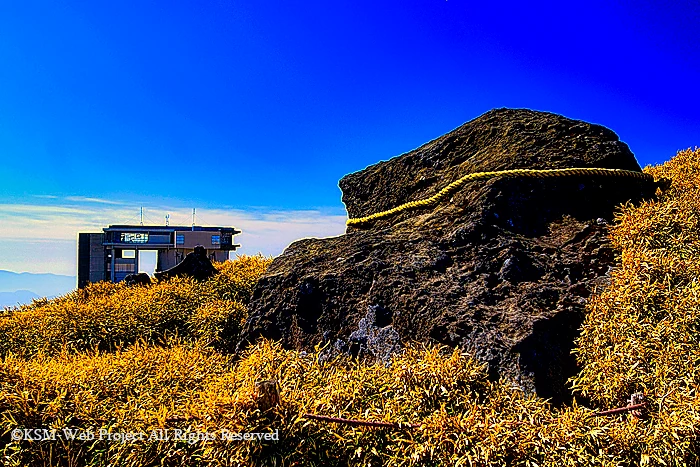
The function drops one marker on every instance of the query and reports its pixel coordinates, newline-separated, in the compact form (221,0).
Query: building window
(129,237)
(216,240)
(128,253)
(180,239)
(124,268)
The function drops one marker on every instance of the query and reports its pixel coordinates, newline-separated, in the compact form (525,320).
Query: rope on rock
(513,173)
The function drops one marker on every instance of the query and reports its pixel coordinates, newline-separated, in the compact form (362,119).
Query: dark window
(180,240)
(159,238)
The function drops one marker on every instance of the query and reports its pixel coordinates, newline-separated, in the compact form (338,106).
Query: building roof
(168,228)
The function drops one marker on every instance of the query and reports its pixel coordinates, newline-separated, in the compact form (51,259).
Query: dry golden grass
(641,334)
(106,316)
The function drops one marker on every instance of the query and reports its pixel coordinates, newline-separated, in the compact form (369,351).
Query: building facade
(114,253)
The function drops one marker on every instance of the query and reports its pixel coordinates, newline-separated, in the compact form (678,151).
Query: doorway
(147,261)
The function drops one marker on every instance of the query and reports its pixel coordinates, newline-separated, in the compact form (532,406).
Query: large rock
(140,278)
(196,264)
(503,268)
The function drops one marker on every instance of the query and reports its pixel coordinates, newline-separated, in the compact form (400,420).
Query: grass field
(144,359)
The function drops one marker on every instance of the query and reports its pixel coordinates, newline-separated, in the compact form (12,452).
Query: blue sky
(252,111)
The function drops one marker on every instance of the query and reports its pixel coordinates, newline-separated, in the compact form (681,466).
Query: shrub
(641,334)
(106,316)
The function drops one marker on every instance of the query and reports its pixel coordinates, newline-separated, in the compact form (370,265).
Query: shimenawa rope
(513,173)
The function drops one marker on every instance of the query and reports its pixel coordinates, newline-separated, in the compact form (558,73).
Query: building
(114,253)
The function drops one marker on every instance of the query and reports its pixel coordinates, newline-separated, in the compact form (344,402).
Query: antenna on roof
(167,219)
(194,210)
(141,215)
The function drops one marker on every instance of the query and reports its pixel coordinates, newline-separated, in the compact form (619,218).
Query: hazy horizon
(27,248)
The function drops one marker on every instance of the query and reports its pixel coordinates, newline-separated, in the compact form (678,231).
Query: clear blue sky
(268,104)
(127,98)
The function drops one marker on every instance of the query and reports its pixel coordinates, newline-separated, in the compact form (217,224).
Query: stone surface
(502,269)
(375,338)
(140,278)
(195,264)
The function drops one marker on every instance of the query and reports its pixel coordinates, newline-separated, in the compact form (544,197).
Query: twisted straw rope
(454,186)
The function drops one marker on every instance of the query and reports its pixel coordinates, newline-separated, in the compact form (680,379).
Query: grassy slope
(140,359)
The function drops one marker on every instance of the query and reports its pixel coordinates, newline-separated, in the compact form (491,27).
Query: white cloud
(83,199)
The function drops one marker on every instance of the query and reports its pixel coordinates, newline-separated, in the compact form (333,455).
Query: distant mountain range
(19,297)
(19,288)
